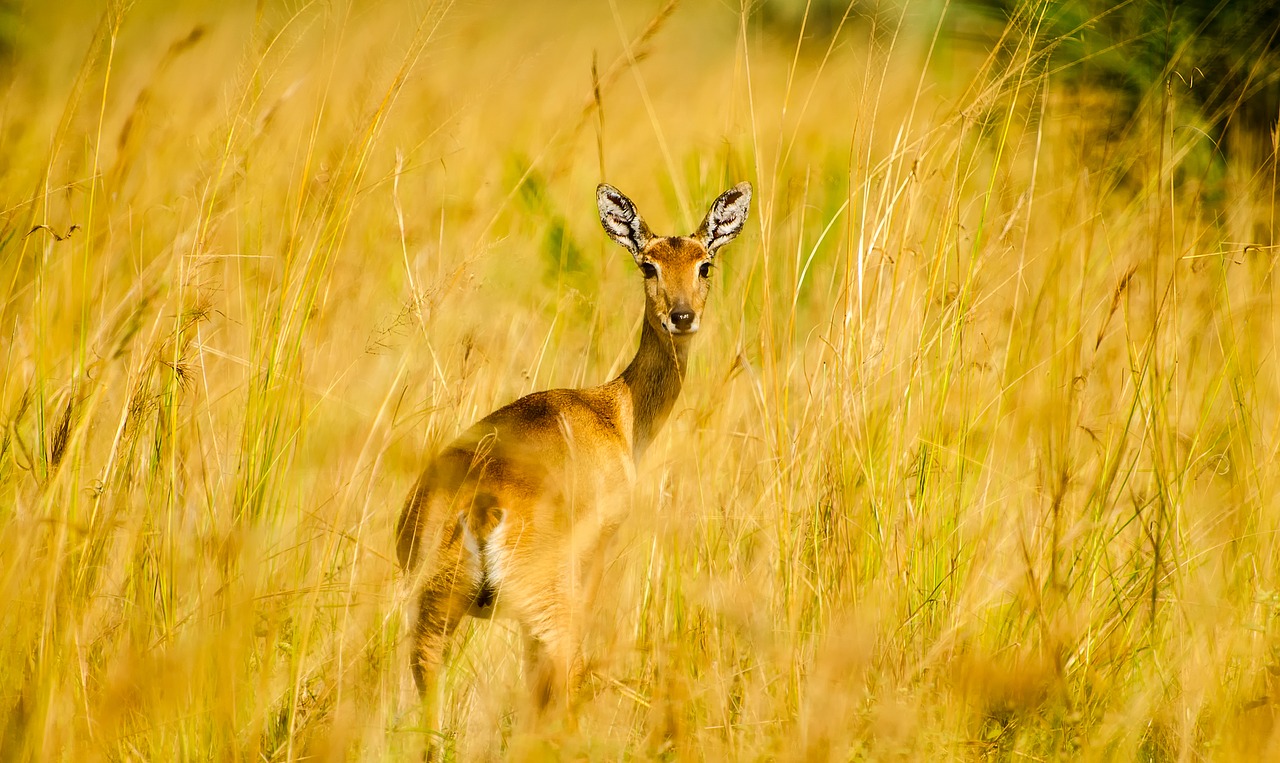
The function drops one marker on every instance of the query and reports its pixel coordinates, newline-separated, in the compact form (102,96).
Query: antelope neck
(653,380)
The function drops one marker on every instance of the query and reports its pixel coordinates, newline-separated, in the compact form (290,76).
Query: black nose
(682,319)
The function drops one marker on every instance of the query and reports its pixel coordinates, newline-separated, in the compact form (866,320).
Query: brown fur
(513,517)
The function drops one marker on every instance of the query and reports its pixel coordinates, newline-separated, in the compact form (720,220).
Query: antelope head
(677,269)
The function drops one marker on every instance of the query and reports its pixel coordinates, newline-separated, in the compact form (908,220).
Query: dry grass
(978,456)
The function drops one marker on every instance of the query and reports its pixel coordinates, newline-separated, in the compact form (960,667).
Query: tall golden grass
(977,456)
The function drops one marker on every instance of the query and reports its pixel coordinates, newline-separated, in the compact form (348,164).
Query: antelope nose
(682,319)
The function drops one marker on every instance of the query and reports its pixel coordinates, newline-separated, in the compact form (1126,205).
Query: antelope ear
(725,220)
(620,219)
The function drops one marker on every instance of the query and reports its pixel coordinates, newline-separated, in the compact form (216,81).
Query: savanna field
(976,458)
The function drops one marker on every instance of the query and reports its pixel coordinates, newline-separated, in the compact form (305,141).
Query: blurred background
(977,456)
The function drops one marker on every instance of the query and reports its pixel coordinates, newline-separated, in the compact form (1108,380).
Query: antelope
(513,517)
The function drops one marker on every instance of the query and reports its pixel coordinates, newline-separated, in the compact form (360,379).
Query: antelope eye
(704,270)
(649,270)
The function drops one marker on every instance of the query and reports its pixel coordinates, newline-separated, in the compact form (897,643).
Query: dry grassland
(977,456)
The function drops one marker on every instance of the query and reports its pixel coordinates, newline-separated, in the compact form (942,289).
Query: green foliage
(1221,59)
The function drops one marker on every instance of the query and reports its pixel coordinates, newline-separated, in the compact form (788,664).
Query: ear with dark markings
(620,219)
(725,220)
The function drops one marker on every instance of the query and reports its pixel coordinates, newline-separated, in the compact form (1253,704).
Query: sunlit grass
(977,454)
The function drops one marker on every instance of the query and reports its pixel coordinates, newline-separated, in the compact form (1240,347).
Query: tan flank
(512,518)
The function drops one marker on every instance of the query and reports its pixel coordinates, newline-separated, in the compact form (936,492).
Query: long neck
(654,379)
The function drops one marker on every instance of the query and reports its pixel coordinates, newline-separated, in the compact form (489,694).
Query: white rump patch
(494,557)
